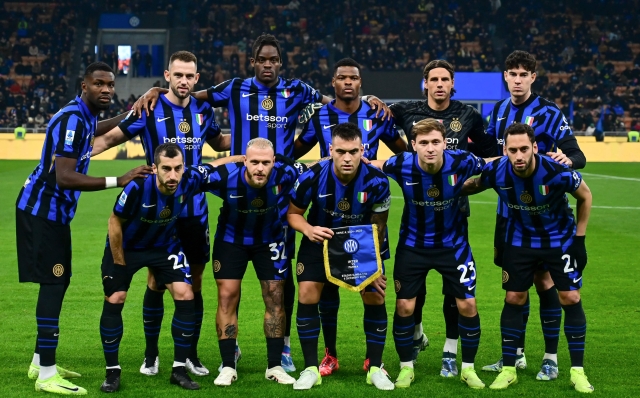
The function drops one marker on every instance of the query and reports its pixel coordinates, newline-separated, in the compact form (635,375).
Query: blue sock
(403,336)
(111,330)
(469,336)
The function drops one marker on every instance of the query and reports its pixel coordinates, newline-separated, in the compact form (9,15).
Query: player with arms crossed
(462,122)
(45,208)
(187,122)
(347,107)
(342,191)
(540,228)
(552,132)
(433,236)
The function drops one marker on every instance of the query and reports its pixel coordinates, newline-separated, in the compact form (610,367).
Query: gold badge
(505,276)
(184,127)
(299,268)
(267,103)
(397,285)
(257,202)
(455,125)
(216,266)
(165,213)
(343,205)
(433,192)
(58,270)
(525,197)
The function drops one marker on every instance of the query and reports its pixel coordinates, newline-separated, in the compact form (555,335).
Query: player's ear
(533,77)
(535,147)
(253,62)
(197,77)
(167,76)
(155,168)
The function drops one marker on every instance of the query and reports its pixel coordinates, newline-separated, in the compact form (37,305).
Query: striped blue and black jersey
(431,217)
(539,215)
(150,216)
(256,110)
(336,205)
(248,215)
(69,134)
(374,129)
(189,127)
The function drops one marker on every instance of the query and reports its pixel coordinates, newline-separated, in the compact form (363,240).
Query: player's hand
(560,158)
(380,107)
(308,111)
(380,285)
(579,251)
(319,234)
(138,172)
(147,101)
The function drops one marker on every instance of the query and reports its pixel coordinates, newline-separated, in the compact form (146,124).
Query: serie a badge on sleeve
(352,257)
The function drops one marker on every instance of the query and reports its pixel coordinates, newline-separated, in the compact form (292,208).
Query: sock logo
(109,342)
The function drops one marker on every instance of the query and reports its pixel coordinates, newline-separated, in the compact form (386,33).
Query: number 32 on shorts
(278,250)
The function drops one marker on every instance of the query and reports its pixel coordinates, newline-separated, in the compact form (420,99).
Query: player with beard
(462,122)
(45,208)
(187,122)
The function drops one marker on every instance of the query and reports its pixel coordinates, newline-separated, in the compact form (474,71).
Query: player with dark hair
(187,122)
(433,235)
(552,132)
(45,208)
(342,192)
(540,229)
(462,122)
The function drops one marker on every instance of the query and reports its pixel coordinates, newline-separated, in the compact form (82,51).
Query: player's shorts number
(207,236)
(278,250)
(465,270)
(567,263)
(176,260)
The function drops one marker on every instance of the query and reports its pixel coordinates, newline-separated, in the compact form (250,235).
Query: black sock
(182,325)
(575,328)
(525,320)
(420,299)
(450,311)
(111,331)
(152,313)
(198,305)
(469,337)
(274,351)
(550,319)
(289,301)
(403,336)
(375,330)
(328,307)
(228,352)
(48,309)
(308,323)
(511,328)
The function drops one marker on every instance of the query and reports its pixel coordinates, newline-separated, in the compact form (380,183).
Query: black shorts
(310,266)
(44,249)
(520,264)
(498,239)
(167,264)
(193,232)
(230,260)
(456,265)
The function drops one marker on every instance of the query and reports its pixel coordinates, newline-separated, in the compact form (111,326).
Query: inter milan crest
(344,205)
(58,270)
(526,197)
(299,269)
(455,125)
(257,202)
(267,103)
(433,192)
(184,127)
(397,285)
(165,213)
(216,266)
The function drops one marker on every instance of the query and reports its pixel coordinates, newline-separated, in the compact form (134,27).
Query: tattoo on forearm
(231,331)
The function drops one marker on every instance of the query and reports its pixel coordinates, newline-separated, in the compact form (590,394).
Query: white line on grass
(611,177)
(593,207)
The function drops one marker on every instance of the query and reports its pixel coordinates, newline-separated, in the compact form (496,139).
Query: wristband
(111,182)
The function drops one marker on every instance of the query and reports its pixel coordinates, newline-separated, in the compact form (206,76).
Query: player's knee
(309,292)
(405,307)
(372,298)
(117,298)
(543,281)
(272,293)
(516,298)
(467,307)
(227,298)
(181,291)
(569,297)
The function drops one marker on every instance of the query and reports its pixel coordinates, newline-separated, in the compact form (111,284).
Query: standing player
(343,192)
(540,228)
(143,233)
(552,131)
(433,236)
(265,106)
(347,107)
(187,122)
(44,209)
(462,122)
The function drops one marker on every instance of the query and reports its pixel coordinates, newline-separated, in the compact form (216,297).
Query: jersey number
(465,270)
(176,260)
(567,263)
(277,253)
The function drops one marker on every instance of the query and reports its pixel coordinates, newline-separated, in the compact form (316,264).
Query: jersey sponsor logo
(182,140)
(158,120)
(122,199)
(267,104)
(350,218)
(68,137)
(85,156)
(267,118)
(455,125)
(367,124)
(537,209)
(438,204)
(351,246)
(452,143)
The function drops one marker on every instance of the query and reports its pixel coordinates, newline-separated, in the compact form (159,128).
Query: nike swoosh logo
(235,197)
(187,335)
(577,337)
(68,388)
(549,321)
(506,340)
(381,330)
(328,127)
(246,95)
(414,122)
(384,251)
(576,280)
(146,321)
(501,118)
(397,334)
(299,325)
(324,196)
(163,119)
(470,288)
(56,334)
(411,183)
(187,276)
(147,206)
(505,188)
(109,342)
(282,270)
(475,334)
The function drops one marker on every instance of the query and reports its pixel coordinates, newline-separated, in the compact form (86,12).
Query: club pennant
(544,189)
(362,197)
(453,180)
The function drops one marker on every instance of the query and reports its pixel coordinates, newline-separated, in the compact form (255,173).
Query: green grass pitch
(610,297)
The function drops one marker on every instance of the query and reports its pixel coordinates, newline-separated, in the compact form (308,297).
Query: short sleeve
(220,95)
(391,168)
(475,164)
(128,201)
(572,180)
(213,129)
(70,133)
(310,94)
(217,179)
(398,110)
(308,135)
(382,201)
(487,178)
(132,126)
(303,189)
(390,131)
(199,176)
